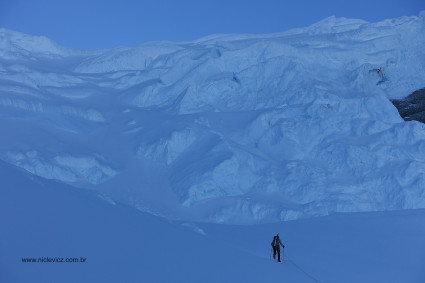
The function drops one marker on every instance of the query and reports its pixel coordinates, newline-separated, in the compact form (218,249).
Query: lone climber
(276,247)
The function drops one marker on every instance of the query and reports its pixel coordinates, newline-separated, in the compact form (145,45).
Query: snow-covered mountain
(227,128)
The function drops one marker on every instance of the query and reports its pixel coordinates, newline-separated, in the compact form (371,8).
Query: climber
(276,243)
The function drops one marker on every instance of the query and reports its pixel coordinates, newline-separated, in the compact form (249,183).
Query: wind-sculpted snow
(66,168)
(19,46)
(227,128)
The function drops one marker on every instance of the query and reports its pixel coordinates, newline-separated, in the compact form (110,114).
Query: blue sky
(94,24)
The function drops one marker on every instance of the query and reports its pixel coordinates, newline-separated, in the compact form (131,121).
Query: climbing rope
(302,270)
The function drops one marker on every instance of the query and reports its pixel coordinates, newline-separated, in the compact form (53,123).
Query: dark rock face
(412,107)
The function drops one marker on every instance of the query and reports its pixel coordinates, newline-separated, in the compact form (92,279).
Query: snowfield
(46,219)
(238,129)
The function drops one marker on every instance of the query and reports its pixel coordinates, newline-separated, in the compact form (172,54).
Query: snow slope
(121,244)
(227,128)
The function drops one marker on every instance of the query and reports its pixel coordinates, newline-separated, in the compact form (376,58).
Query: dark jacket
(276,242)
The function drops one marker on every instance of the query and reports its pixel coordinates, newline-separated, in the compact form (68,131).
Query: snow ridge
(227,128)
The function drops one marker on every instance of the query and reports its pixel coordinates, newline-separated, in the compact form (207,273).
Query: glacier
(235,129)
